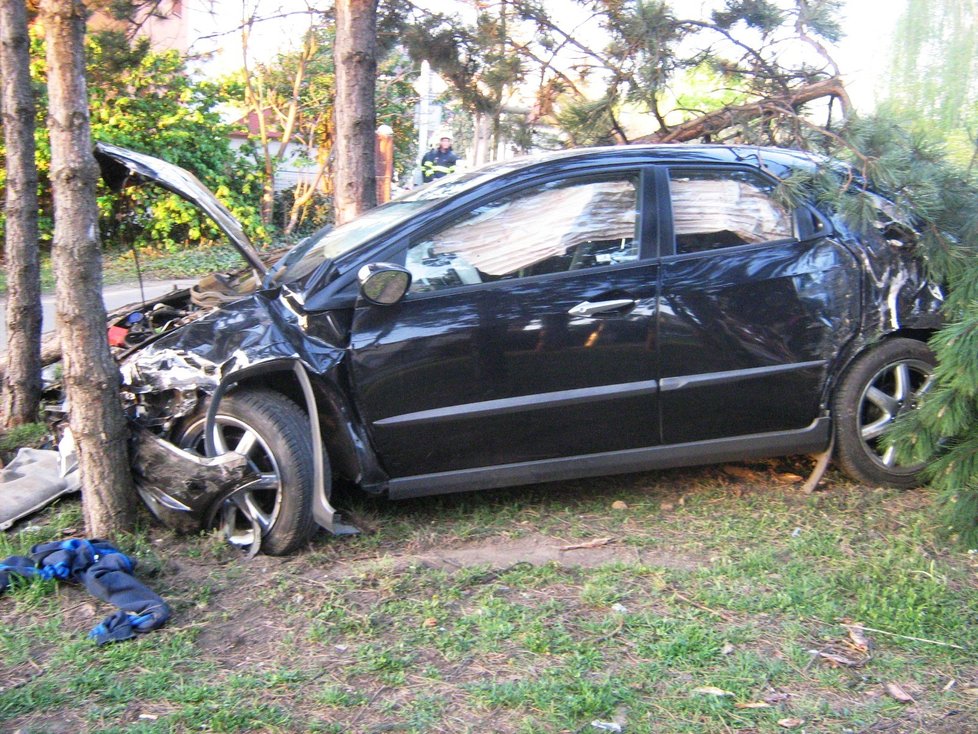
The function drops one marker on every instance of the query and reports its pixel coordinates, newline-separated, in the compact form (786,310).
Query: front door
(528,333)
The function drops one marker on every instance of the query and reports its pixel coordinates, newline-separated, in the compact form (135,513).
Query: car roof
(754,155)
(778,161)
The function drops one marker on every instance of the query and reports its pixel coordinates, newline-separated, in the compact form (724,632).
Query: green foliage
(646,61)
(672,66)
(758,14)
(703,88)
(477,60)
(147,101)
(912,169)
(644,46)
(302,84)
(396,99)
(910,166)
(938,86)
(480,61)
(822,17)
(520,134)
(738,591)
(184,263)
(317,212)
(155,107)
(30,435)
(588,122)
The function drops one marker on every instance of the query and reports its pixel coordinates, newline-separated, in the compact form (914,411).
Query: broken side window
(717,209)
(551,228)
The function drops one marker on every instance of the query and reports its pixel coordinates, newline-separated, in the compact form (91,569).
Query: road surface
(114,295)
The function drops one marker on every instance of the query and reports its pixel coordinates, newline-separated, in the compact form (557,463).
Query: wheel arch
(287,382)
(332,436)
(845,364)
(860,419)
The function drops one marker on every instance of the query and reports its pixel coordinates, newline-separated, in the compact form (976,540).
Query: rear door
(755,304)
(528,333)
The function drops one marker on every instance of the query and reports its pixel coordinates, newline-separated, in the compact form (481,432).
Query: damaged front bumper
(182,489)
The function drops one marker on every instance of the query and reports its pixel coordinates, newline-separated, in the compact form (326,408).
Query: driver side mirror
(383,284)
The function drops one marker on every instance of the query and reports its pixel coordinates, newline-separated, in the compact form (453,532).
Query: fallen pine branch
(596,543)
(726,117)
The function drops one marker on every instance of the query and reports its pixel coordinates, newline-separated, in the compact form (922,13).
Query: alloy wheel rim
(895,389)
(254,507)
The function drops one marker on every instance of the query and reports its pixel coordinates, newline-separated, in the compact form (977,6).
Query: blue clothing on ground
(107,574)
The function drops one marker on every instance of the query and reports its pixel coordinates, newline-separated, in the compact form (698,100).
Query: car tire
(274,434)
(880,385)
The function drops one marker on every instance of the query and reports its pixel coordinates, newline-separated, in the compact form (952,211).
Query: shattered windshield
(330,243)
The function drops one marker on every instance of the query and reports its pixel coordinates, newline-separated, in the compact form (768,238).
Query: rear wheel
(273,434)
(881,385)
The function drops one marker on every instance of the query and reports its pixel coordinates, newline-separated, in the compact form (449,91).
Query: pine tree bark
(355,57)
(21,393)
(90,374)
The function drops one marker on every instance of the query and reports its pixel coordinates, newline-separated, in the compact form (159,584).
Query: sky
(864,53)
(861,55)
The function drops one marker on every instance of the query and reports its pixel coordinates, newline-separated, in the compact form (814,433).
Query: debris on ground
(897,693)
(32,481)
(711,691)
(596,543)
(742,472)
(791,723)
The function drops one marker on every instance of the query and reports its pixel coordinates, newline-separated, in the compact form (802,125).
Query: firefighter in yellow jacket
(439,161)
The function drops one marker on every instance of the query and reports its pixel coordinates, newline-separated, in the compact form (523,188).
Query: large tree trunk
(355,55)
(90,374)
(22,378)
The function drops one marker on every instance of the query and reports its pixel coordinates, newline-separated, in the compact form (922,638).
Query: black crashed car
(581,313)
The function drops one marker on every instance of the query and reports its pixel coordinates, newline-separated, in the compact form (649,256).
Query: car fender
(898,300)
(242,343)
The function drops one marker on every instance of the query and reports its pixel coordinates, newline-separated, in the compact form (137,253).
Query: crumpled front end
(178,376)
(181,488)
(168,378)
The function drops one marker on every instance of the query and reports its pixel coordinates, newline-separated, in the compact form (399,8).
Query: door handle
(599,307)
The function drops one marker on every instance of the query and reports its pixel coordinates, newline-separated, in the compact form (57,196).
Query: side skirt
(812,439)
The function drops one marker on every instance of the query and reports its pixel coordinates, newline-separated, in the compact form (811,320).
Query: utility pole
(423,87)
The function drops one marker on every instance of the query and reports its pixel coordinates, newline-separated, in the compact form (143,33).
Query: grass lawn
(704,600)
(120,267)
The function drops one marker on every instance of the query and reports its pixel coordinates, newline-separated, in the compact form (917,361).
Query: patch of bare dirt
(62,722)
(914,722)
(250,633)
(243,631)
(538,550)
(237,626)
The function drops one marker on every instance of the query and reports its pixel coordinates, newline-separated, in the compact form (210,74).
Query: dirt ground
(255,618)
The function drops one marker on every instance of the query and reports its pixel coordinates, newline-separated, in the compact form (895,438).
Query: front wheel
(880,385)
(271,431)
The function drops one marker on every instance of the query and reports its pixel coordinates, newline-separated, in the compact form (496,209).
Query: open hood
(122,167)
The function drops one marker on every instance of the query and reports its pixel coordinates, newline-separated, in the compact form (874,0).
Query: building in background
(299,163)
